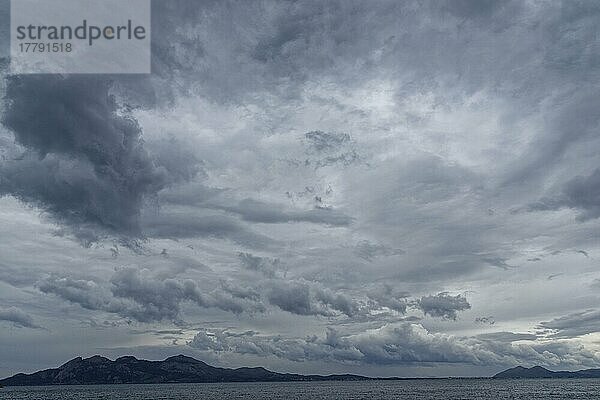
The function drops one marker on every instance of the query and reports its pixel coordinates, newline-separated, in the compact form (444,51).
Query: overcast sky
(383,188)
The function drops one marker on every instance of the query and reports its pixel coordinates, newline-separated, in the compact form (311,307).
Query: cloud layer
(389,188)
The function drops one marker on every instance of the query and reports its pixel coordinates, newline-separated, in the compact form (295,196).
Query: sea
(442,389)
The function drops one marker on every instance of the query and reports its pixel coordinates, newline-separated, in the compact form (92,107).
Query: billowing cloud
(388,297)
(83,158)
(304,299)
(397,344)
(137,294)
(443,305)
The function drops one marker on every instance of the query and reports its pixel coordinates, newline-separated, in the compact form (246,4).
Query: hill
(540,372)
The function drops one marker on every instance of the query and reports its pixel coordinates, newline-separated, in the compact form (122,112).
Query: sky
(382,188)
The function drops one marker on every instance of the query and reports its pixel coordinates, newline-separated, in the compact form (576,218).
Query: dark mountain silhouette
(182,369)
(177,369)
(540,372)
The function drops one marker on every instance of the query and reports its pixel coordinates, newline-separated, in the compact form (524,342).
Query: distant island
(541,372)
(98,370)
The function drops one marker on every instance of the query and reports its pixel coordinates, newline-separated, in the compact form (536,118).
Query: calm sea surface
(417,389)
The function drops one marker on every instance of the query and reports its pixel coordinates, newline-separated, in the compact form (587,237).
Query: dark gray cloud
(83,159)
(391,298)
(581,194)
(18,318)
(443,305)
(486,320)
(573,325)
(293,298)
(304,299)
(180,225)
(158,299)
(149,296)
(137,294)
(265,265)
(87,293)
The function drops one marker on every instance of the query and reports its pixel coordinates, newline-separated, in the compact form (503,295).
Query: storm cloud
(83,159)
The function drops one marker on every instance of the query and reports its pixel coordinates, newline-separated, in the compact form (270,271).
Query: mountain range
(182,369)
(176,369)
